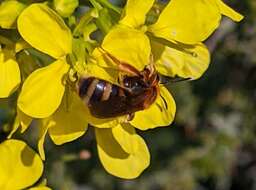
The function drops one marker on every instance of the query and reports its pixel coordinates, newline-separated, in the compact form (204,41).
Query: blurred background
(210,146)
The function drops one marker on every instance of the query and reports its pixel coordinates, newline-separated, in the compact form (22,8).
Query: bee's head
(135,84)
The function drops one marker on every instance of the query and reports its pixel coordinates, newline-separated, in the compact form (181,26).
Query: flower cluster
(61,42)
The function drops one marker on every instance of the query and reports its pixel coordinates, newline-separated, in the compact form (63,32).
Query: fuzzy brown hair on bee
(136,91)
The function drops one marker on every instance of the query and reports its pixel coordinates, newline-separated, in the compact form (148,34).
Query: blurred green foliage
(211,145)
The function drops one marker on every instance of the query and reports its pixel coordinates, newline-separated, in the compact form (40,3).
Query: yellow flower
(43,91)
(20,166)
(117,142)
(44,30)
(186,57)
(10,75)
(129,43)
(132,35)
(199,22)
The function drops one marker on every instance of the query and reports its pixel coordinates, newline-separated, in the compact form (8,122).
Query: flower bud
(65,7)
(9,11)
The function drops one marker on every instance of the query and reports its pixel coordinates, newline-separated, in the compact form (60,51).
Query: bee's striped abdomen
(83,86)
(98,91)
(94,90)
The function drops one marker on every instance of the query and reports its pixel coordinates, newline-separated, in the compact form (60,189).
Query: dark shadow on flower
(110,146)
(27,156)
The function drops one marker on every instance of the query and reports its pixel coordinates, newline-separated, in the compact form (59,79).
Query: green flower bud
(9,11)
(65,7)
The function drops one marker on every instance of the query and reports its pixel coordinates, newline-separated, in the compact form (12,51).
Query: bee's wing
(167,80)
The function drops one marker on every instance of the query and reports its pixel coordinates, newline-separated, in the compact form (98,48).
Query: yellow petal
(135,12)
(9,74)
(190,63)
(39,188)
(116,161)
(128,46)
(104,123)
(9,11)
(69,122)
(25,120)
(229,12)
(44,29)
(168,61)
(20,166)
(21,120)
(42,91)
(126,137)
(159,114)
(187,22)
(15,127)
(21,45)
(43,129)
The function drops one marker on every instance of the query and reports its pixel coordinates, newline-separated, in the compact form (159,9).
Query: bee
(136,91)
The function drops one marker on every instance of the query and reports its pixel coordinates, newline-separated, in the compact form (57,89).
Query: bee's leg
(130,116)
(122,66)
(70,79)
(164,101)
(127,68)
(120,80)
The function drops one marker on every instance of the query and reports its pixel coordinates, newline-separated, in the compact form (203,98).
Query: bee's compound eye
(140,84)
(133,82)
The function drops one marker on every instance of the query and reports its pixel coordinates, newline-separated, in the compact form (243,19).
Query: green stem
(5,41)
(109,5)
(87,17)
(96,5)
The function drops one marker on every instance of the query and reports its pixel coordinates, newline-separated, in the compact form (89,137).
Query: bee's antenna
(167,80)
